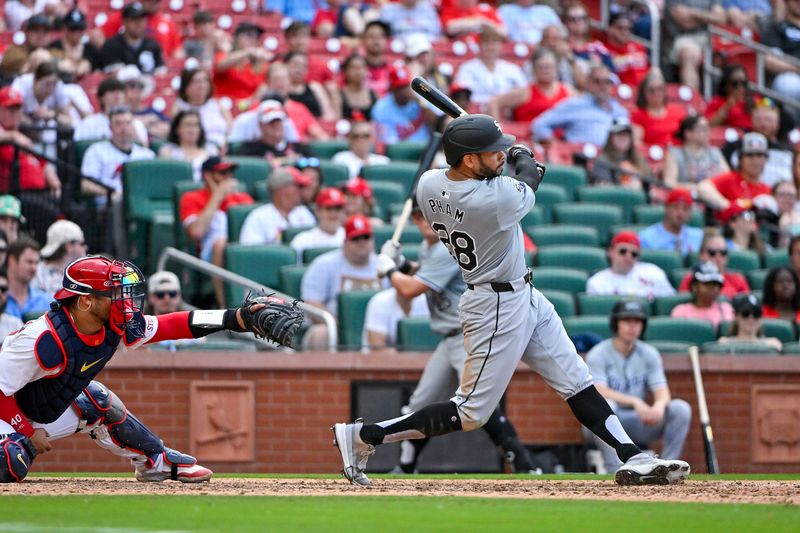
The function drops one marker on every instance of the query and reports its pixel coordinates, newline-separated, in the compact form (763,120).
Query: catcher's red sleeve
(172,326)
(10,412)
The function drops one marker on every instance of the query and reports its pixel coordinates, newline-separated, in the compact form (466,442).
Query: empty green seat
(571,280)
(259,263)
(661,328)
(327,149)
(406,151)
(237,214)
(676,275)
(586,258)
(650,214)
(567,176)
(291,278)
(601,304)
(251,171)
(756,278)
(290,233)
(739,347)
(600,216)
(400,172)
(623,197)
(667,260)
(549,195)
(410,235)
(261,192)
(636,228)
(415,334)
(563,302)
(309,254)
(333,174)
(776,258)
(352,311)
(545,235)
(536,216)
(779,328)
(791,348)
(664,305)
(588,324)
(387,193)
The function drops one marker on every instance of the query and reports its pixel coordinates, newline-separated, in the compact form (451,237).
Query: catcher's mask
(122,281)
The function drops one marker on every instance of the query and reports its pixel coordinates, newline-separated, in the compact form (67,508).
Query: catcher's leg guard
(16,456)
(117,430)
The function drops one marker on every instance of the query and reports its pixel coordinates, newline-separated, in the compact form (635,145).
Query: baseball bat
(436,98)
(424,164)
(705,420)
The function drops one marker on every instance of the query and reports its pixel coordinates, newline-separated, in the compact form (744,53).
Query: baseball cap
(248,27)
(10,97)
(707,273)
(629,309)
(330,197)
(38,21)
(134,10)
(61,232)
(679,195)
(733,211)
(356,226)
(620,124)
(75,20)
(626,237)
(416,44)
(163,281)
(358,187)
(456,88)
(746,302)
(284,176)
(754,143)
(399,77)
(270,110)
(10,206)
(216,163)
(131,74)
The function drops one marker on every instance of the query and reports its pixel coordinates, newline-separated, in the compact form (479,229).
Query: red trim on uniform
(93,339)
(9,410)
(172,327)
(60,346)
(8,460)
(88,395)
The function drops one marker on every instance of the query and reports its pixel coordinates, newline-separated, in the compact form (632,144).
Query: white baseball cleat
(355,452)
(646,469)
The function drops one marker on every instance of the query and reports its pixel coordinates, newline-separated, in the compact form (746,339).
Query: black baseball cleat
(646,469)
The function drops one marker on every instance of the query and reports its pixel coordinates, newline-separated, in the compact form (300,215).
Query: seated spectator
(164,297)
(781,36)
(695,159)
(620,162)
(44,102)
(138,88)
(204,213)
(715,249)
(685,24)
(207,40)
(359,200)
(657,119)
(37,36)
(705,304)
(741,187)
(297,38)
(528,102)
(740,229)
(111,95)
(342,18)
(748,324)
(272,144)
(65,244)
(407,17)
(265,224)
(360,141)
(159,26)
(82,54)
(16,12)
(527,19)
(398,116)
(305,127)
(488,75)
(627,276)
(23,297)
(351,268)
(585,118)
(241,73)
(765,117)
(786,197)
(311,169)
(567,68)
(673,233)
(468,19)
(631,60)
(132,46)
(627,370)
(733,101)
(329,231)
(781,294)
(585,49)
(8,323)
(10,219)
(309,93)
(196,94)
(384,311)
(375,41)
(421,60)
(354,97)
(187,142)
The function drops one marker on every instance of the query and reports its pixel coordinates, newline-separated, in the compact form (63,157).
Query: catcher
(47,368)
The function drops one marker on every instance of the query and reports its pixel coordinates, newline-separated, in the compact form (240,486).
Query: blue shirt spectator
(398,116)
(526,20)
(296,9)
(38,301)
(23,263)
(672,233)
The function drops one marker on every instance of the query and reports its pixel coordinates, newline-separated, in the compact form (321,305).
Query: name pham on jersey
(444,207)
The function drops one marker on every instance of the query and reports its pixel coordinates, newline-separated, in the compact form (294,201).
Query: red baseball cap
(626,237)
(359,187)
(330,197)
(732,211)
(399,77)
(356,226)
(679,195)
(10,97)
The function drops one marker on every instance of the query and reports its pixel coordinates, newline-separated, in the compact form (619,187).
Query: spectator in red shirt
(160,27)
(715,249)
(733,101)
(781,294)
(631,60)
(657,119)
(375,40)
(203,213)
(241,74)
(297,37)
(467,18)
(739,187)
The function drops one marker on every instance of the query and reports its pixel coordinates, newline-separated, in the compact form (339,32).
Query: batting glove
(393,249)
(385,265)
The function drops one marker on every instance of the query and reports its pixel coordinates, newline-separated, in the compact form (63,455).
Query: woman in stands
(187,142)
(355,98)
(741,230)
(657,119)
(748,324)
(695,160)
(195,94)
(527,103)
(309,93)
(785,193)
(733,101)
(781,296)
(620,163)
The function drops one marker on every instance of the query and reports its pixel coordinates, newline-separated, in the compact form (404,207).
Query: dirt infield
(723,491)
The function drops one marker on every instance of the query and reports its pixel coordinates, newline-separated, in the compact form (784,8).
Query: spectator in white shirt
(412,16)
(330,217)
(65,244)
(526,20)
(384,311)
(265,224)
(111,95)
(627,276)
(360,142)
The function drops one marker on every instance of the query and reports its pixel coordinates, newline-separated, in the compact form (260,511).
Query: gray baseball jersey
(438,271)
(641,371)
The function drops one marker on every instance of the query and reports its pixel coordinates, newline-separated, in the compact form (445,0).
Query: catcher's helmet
(627,309)
(471,134)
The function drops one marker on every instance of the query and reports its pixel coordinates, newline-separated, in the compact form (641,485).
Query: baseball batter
(476,213)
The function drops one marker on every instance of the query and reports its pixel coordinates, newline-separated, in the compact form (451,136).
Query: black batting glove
(520,152)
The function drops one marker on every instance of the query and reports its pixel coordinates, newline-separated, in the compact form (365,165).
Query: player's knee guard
(16,457)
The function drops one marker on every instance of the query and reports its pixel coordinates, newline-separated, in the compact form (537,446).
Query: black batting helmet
(627,309)
(471,134)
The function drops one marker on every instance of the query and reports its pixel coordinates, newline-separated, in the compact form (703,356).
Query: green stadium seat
(217,345)
(327,149)
(352,311)
(251,171)
(663,305)
(676,275)
(738,348)
(791,348)
(291,278)
(535,217)
(80,149)
(624,197)
(671,347)
(261,192)
(333,174)
(410,235)
(601,304)
(563,302)
(181,188)
(650,214)
(600,216)
(667,260)
(161,234)
(569,177)
(290,233)
(776,258)
(400,172)
(411,252)
(553,234)
(662,328)
(414,334)
(309,254)
(259,263)
(616,228)
(756,278)
(32,315)
(588,324)
(237,214)
(406,151)
(387,193)
(587,258)
(549,195)
(784,330)
(571,280)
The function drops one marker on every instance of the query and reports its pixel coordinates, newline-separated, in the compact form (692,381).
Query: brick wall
(299,396)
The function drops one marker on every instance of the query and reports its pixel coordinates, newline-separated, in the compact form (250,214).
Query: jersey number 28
(460,245)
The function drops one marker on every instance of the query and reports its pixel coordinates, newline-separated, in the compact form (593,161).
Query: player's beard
(486,172)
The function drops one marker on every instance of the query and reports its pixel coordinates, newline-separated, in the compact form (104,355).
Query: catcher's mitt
(277,321)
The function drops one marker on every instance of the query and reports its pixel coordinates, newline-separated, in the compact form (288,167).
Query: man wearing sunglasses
(673,233)
(715,249)
(626,275)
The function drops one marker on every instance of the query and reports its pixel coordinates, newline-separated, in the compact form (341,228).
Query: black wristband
(390,272)
(229,321)
(405,266)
